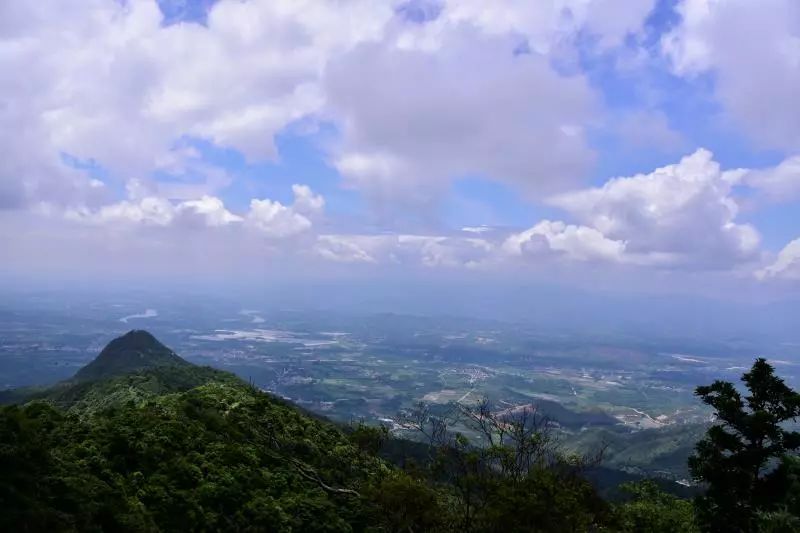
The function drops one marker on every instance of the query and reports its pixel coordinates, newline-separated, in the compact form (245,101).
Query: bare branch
(311,474)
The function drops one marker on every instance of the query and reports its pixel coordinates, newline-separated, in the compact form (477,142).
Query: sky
(645,146)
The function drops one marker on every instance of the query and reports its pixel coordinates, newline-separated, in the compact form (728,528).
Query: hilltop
(136,350)
(134,367)
(142,440)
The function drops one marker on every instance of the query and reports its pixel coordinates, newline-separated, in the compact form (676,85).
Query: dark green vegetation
(178,448)
(136,350)
(661,449)
(144,441)
(133,367)
(746,459)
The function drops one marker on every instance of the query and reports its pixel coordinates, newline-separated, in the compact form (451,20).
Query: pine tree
(739,458)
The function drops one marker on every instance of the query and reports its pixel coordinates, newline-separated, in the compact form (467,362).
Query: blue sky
(413,137)
(687,104)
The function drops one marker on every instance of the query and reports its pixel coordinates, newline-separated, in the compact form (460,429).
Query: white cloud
(780,183)
(578,243)
(753,50)
(686,45)
(412,250)
(786,266)
(414,119)
(682,213)
(476,229)
(547,23)
(149,210)
(109,83)
(415,106)
(210,209)
(275,219)
(305,201)
(155,211)
(441,251)
(267,217)
(349,248)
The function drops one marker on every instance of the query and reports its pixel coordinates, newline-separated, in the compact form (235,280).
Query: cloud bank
(113,119)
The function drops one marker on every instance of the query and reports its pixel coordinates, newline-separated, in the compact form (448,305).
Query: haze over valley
(634,393)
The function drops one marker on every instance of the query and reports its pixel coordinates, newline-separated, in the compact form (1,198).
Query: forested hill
(156,443)
(142,440)
(133,366)
(136,350)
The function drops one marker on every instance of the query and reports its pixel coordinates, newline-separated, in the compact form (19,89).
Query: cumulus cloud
(113,85)
(472,91)
(209,209)
(305,201)
(415,102)
(109,83)
(753,50)
(786,265)
(279,221)
(681,214)
(414,119)
(275,219)
(267,217)
(578,243)
(156,211)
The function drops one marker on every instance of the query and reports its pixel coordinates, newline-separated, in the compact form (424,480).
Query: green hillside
(136,350)
(217,457)
(135,366)
(141,440)
(659,451)
(155,443)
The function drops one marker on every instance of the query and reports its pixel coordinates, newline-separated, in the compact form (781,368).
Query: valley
(599,390)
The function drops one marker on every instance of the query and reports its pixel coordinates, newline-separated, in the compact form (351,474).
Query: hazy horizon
(569,162)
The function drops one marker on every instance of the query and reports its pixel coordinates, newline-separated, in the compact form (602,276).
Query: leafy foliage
(219,456)
(743,458)
(651,510)
(176,447)
(136,350)
(647,451)
(141,452)
(516,480)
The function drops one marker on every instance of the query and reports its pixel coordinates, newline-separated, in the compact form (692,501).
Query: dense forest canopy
(141,440)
